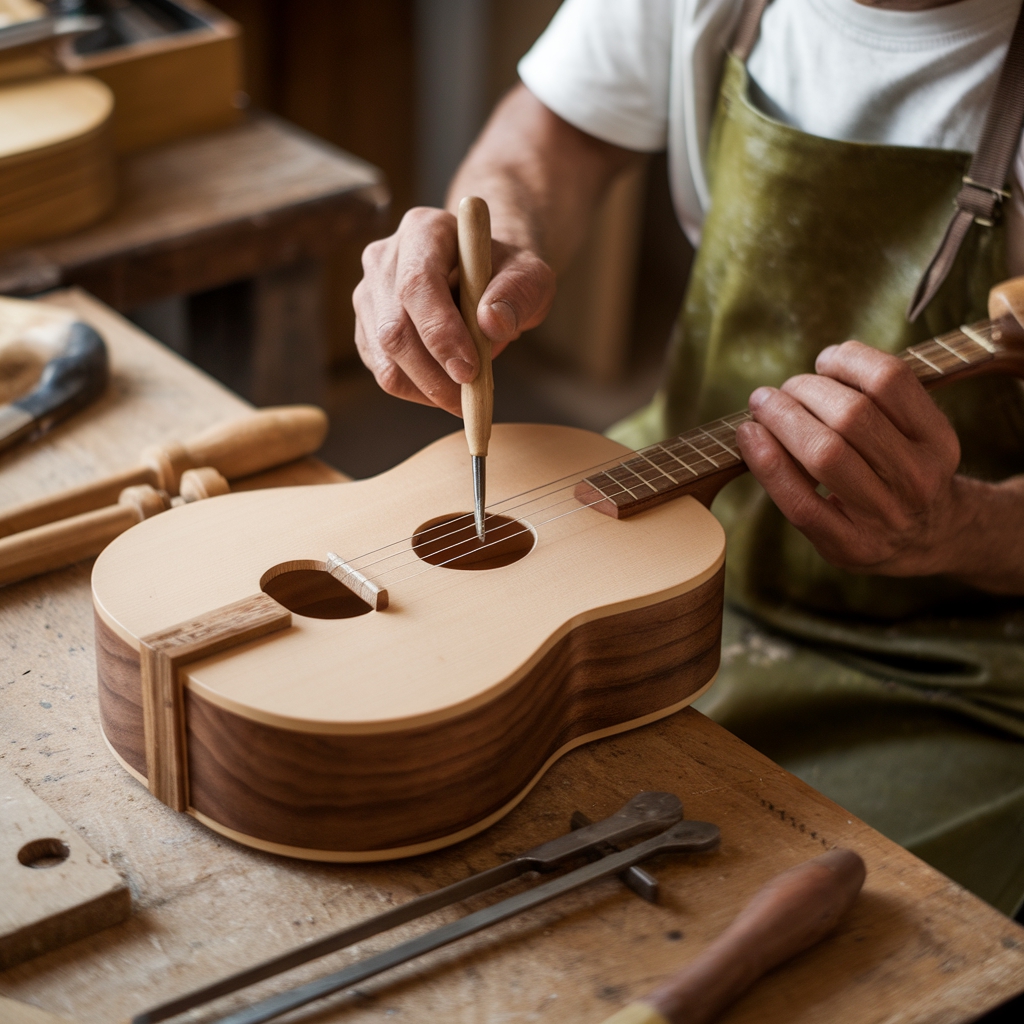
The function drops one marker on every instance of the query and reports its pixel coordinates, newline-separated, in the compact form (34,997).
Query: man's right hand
(408,327)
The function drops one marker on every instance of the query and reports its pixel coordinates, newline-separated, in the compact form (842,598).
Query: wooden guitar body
(389,733)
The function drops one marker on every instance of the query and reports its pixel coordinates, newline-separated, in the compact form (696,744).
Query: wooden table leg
(289,327)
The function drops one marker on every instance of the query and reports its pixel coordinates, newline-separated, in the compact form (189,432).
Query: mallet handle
(266,438)
(787,915)
(55,545)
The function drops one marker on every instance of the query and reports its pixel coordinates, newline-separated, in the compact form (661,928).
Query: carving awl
(474,229)
(645,814)
(683,837)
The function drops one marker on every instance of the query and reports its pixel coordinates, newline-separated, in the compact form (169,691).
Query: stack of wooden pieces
(56,157)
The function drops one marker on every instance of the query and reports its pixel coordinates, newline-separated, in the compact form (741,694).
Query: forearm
(988,551)
(541,177)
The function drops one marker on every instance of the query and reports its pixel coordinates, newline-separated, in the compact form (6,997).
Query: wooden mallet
(786,916)
(259,441)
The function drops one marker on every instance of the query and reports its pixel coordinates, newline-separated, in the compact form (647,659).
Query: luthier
(412,676)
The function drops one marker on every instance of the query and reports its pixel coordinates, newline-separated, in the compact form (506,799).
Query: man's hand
(542,179)
(866,431)
(408,328)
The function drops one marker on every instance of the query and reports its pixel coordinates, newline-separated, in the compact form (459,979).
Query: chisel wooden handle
(474,275)
(787,915)
(261,440)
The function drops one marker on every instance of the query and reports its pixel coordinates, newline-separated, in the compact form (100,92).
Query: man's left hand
(865,430)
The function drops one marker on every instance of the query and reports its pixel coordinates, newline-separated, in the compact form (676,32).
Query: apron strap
(981,196)
(985,187)
(748,28)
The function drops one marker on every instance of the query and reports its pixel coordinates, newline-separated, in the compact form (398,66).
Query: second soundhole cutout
(451,542)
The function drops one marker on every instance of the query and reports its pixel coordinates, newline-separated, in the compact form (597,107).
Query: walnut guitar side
(394,732)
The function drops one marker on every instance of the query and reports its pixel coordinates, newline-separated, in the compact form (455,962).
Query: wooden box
(179,73)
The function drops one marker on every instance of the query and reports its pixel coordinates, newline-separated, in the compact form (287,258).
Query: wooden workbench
(263,200)
(916,948)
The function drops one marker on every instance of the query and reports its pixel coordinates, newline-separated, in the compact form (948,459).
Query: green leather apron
(903,700)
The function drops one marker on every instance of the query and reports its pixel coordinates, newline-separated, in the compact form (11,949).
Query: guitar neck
(699,462)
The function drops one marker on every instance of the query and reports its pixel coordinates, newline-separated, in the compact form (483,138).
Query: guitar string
(576,477)
(383,572)
(703,457)
(440,551)
(529,529)
(578,474)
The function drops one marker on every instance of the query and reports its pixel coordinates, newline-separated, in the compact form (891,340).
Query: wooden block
(162,655)
(56,887)
(173,86)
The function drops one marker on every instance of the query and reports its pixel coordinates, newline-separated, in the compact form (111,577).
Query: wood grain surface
(168,87)
(56,888)
(917,948)
(162,656)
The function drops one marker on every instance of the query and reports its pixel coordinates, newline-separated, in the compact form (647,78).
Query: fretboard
(702,460)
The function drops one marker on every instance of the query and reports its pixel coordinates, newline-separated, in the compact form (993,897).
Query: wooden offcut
(70,893)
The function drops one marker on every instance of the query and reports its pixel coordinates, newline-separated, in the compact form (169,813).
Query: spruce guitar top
(345,672)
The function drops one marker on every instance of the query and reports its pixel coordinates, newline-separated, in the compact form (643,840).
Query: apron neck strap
(986,185)
(748,28)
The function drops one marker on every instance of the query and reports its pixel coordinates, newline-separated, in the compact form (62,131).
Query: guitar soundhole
(307,588)
(451,542)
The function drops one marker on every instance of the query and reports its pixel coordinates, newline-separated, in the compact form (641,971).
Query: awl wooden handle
(474,276)
(786,916)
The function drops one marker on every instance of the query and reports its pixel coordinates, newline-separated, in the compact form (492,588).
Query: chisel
(474,221)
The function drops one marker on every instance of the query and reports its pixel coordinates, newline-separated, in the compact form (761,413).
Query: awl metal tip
(479,494)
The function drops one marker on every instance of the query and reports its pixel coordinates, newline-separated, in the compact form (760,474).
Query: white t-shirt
(644,74)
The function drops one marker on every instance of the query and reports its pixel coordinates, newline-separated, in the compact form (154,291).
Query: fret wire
(637,461)
(978,339)
(664,473)
(670,478)
(685,465)
(628,465)
(721,443)
(706,458)
(622,488)
(623,485)
(927,362)
(731,430)
(952,351)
